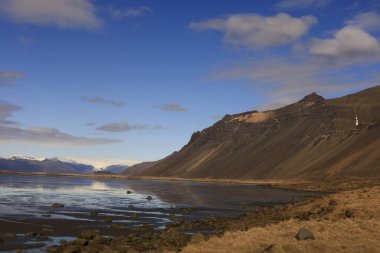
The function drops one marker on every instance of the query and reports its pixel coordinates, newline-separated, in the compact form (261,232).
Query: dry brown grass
(334,233)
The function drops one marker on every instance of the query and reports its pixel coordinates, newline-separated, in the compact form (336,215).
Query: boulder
(72,249)
(304,234)
(89,234)
(57,205)
(349,213)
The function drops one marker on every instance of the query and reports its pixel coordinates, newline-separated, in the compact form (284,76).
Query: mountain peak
(313,97)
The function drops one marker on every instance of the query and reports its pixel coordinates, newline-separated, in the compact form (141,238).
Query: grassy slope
(333,233)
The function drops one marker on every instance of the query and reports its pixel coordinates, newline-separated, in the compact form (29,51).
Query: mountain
(51,165)
(138,168)
(115,169)
(312,139)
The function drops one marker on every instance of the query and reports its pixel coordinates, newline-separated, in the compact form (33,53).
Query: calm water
(32,196)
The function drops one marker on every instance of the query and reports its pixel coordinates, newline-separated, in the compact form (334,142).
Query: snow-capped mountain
(116,169)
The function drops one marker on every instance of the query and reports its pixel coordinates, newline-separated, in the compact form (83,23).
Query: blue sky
(115,81)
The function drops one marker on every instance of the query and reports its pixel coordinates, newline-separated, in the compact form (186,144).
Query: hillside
(314,138)
(138,168)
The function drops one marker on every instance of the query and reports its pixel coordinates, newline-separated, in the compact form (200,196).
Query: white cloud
(348,42)
(369,21)
(118,13)
(7,76)
(254,31)
(301,4)
(78,14)
(100,100)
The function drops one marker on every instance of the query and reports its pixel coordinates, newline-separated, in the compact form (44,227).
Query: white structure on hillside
(356,120)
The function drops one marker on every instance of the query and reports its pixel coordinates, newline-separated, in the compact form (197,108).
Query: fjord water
(31,197)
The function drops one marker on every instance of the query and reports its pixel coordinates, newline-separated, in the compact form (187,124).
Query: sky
(124,81)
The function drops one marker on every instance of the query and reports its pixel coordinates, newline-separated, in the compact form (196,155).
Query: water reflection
(34,195)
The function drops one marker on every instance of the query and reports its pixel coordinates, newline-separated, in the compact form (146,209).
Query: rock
(131,207)
(94,213)
(175,236)
(53,248)
(132,250)
(80,242)
(349,213)
(62,241)
(72,249)
(100,240)
(42,238)
(2,242)
(332,202)
(119,226)
(46,215)
(108,249)
(268,249)
(304,234)
(57,205)
(135,215)
(19,251)
(129,192)
(32,234)
(89,234)
(149,198)
(108,219)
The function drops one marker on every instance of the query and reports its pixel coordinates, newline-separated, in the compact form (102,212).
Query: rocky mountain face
(50,165)
(314,138)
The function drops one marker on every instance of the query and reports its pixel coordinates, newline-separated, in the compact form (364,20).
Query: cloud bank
(325,65)
(10,133)
(253,31)
(73,14)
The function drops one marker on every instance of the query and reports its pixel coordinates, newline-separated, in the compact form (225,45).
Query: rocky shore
(179,233)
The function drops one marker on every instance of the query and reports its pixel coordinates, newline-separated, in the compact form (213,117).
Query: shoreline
(327,186)
(176,235)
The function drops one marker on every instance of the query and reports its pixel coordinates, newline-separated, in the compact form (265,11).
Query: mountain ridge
(314,138)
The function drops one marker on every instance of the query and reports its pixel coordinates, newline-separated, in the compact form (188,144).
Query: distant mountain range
(313,139)
(116,169)
(51,165)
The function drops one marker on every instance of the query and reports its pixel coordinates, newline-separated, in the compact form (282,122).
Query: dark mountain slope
(311,139)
